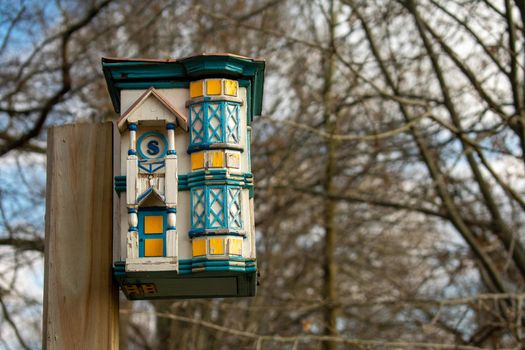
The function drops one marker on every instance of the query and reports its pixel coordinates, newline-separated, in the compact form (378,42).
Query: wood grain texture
(80,299)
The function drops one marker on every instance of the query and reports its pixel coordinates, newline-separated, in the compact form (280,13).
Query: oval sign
(152,145)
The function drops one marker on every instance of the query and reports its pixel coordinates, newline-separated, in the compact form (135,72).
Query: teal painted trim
(218,174)
(223,177)
(249,147)
(228,268)
(200,178)
(135,74)
(151,71)
(142,213)
(208,171)
(215,263)
(114,92)
(157,85)
(249,106)
(188,188)
(209,182)
(215,181)
(244,83)
(120,184)
(145,194)
(119,269)
(207,146)
(201,232)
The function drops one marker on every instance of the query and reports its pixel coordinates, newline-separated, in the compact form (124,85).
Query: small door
(152,232)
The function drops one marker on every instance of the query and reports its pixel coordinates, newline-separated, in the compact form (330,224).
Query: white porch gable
(152,106)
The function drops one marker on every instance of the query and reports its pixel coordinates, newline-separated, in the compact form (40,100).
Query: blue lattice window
(197,118)
(232,122)
(234,207)
(214,122)
(198,208)
(216,207)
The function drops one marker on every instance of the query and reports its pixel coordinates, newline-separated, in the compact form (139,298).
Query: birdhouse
(184,224)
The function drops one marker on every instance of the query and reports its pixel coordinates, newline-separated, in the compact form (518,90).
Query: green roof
(131,73)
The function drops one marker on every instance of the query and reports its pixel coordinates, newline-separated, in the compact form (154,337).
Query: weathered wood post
(80,298)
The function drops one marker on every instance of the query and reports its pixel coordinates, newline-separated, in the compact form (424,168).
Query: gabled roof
(141,73)
(182,121)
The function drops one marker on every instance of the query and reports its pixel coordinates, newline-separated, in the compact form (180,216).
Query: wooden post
(80,298)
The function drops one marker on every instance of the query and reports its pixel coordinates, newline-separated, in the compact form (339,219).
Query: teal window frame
(229,199)
(227,130)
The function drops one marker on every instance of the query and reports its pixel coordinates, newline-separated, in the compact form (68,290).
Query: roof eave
(184,69)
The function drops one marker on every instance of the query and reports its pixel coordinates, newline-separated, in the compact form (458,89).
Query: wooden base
(171,285)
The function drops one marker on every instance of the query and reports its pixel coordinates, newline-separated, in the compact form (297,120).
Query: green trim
(230,258)
(207,282)
(122,73)
(120,183)
(200,178)
(223,269)
(147,85)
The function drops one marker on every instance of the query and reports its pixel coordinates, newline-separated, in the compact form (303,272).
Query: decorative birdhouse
(184,225)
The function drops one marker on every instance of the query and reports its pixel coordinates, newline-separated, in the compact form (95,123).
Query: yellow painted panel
(197,160)
(199,247)
(235,246)
(153,247)
(230,87)
(216,246)
(196,88)
(213,87)
(153,224)
(217,159)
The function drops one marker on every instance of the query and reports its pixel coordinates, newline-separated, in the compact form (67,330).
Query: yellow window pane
(196,88)
(216,246)
(197,160)
(236,246)
(230,87)
(199,247)
(213,87)
(216,159)
(153,224)
(153,247)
